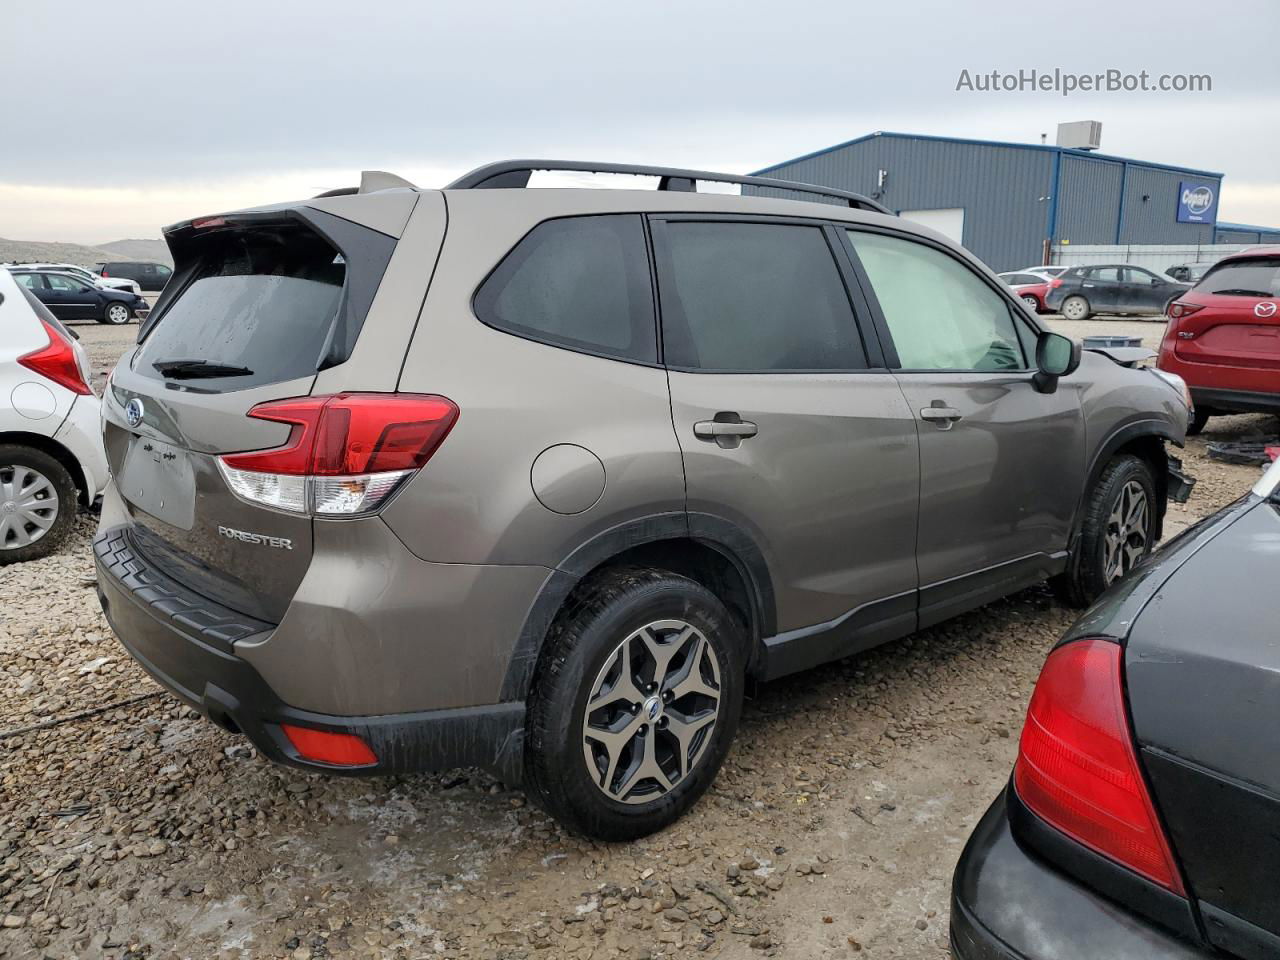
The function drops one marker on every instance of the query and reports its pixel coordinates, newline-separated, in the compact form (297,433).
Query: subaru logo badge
(133,412)
(1265,309)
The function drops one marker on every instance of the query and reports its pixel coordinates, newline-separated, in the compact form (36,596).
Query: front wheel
(634,704)
(117,314)
(1076,308)
(1118,530)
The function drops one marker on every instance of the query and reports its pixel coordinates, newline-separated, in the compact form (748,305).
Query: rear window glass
(1244,278)
(262,300)
(579,282)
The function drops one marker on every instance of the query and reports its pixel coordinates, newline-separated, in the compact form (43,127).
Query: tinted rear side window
(1259,277)
(579,282)
(264,299)
(754,297)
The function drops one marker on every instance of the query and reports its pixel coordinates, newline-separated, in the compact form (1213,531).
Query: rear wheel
(1198,420)
(1076,308)
(1118,530)
(116,314)
(37,503)
(1033,303)
(635,703)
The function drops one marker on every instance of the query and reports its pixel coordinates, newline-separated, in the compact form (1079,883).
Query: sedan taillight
(346,454)
(1077,768)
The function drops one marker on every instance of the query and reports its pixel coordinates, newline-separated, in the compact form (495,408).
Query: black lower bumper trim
(206,674)
(1235,401)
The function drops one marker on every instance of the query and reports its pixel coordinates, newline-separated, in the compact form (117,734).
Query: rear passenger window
(581,283)
(754,297)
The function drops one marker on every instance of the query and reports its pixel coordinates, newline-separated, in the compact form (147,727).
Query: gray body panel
(561,459)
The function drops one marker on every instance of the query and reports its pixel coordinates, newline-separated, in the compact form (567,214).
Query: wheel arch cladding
(707,549)
(1144,439)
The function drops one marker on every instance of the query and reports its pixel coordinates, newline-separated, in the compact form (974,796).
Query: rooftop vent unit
(1081,135)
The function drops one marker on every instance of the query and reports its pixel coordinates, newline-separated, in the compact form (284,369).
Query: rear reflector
(346,453)
(336,749)
(57,362)
(1077,768)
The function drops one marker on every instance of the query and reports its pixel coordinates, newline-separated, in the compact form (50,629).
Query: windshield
(1257,277)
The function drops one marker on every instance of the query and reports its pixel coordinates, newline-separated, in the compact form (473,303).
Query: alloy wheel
(1031,302)
(651,711)
(28,506)
(1127,533)
(118,313)
(1074,309)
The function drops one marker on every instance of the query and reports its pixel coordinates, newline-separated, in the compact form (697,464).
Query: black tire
(1198,421)
(582,644)
(116,317)
(64,487)
(1087,576)
(1087,310)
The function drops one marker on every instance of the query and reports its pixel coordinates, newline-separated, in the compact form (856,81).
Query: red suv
(1223,337)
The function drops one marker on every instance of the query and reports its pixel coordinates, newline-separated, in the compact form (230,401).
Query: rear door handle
(728,430)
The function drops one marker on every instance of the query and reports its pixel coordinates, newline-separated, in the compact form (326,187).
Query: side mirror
(1056,356)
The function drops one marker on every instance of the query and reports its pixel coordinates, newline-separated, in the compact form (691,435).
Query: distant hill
(155,250)
(38,251)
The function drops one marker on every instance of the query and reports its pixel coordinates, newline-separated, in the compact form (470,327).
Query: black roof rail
(516,173)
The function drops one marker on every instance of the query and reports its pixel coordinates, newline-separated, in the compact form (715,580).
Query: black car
(148,276)
(1112,288)
(1143,816)
(70,298)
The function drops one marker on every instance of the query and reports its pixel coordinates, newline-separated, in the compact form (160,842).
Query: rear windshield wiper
(1242,292)
(193,369)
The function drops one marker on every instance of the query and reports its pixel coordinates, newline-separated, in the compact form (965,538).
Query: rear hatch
(1237,320)
(259,303)
(1203,676)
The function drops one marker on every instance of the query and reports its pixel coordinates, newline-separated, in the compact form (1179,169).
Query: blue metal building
(1010,203)
(1225,232)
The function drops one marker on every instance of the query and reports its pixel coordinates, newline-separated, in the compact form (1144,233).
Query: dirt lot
(140,830)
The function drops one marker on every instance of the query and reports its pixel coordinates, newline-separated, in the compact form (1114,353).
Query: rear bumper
(1008,904)
(187,643)
(1236,401)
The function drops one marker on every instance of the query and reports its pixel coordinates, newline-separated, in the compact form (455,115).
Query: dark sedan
(70,298)
(1112,288)
(1143,816)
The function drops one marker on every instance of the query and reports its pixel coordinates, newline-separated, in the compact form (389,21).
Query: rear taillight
(57,362)
(1077,768)
(346,454)
(1178,309)
(1055,283)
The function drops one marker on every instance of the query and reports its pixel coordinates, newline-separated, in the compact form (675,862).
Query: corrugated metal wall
(1000,188)
(1005,191)
(1230,235)
(1155,219)
(1089,199)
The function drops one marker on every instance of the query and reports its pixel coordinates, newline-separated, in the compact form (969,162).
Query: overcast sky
(123,117)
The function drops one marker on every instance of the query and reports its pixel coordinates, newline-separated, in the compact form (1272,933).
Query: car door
(1101,287)
(35,283)
(791,429)
(71,299)
(1145,292)
(1001,463)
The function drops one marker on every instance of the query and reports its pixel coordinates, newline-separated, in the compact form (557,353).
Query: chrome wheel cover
(1128,532)
(651,711)
(28,506)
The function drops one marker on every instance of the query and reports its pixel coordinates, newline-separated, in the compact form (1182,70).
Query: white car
(51,455)
(85,274)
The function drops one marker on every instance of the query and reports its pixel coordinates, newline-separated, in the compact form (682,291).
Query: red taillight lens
(57,362)
(1055,282)
(1077,768)
(346,453)
(336,749)
(352,433)
(1179,309)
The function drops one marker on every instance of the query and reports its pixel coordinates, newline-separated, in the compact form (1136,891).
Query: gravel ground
(133,828)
